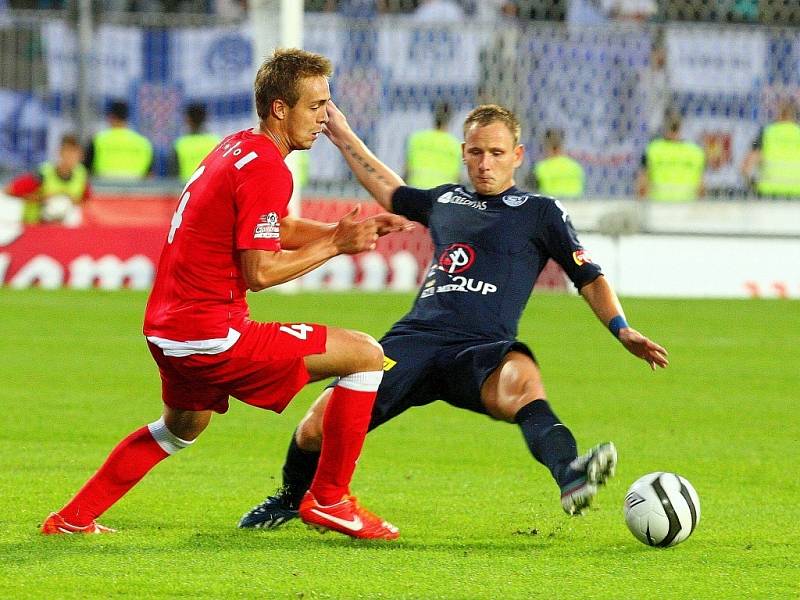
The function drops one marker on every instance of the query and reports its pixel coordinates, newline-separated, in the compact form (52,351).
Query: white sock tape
(366,381)
(169,442)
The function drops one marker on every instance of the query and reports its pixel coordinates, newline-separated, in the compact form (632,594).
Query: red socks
(344,427)
(132,458)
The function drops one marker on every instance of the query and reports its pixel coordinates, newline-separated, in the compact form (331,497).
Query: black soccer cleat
(593,469)
(271,513)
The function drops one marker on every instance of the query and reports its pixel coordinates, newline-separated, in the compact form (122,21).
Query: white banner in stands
(730,61)
(116,62)
(699,266)
(213,61)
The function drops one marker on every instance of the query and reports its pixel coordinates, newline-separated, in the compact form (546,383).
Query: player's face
(491,157)
(305,119)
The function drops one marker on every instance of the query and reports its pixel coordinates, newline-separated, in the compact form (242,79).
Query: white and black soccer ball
(661,509)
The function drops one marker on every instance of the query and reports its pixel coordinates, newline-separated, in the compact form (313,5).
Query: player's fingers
(352,214)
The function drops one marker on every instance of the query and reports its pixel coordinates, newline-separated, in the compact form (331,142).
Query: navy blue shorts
(423,367)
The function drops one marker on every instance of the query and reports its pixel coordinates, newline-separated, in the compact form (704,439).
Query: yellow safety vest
(52,185)
(780,160)
(121,153)
(433,158)
(559,176)
(675,170)
(191,149)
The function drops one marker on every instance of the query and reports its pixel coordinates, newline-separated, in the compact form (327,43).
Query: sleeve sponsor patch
(580,257)
(268,227)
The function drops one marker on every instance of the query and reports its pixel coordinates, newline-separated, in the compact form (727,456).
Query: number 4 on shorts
(298,330)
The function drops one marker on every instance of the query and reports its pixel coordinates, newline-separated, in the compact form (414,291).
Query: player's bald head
(486,114)
(280,75)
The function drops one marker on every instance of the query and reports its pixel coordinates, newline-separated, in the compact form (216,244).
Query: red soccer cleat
(55,525)
(346,517)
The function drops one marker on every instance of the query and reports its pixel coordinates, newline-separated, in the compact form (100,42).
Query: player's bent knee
(370,353)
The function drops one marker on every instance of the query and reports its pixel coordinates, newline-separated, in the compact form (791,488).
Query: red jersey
(234,201)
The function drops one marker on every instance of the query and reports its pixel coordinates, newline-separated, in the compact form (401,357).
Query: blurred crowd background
(603,78)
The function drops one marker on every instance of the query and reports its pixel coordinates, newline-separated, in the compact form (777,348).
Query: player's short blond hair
(486,114)
(279,77)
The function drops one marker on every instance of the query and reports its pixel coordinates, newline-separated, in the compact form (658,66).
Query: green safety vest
(559,176)
(675,170)
(53,185)
(780,160)
(191,149)
(121,153)
(433,158)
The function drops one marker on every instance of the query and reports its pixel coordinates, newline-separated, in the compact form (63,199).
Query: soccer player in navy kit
(458,343)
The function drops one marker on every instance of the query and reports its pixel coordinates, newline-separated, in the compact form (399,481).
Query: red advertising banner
(121,238)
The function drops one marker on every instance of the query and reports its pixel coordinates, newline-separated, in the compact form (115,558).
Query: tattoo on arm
(363,162)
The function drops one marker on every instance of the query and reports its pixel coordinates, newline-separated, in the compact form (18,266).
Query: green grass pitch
(479,518)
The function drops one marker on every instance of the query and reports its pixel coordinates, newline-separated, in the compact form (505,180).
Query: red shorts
(264,368)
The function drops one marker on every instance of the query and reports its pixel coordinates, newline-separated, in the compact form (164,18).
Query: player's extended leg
(514,392)
(128,462)
(358,360)
(299,468)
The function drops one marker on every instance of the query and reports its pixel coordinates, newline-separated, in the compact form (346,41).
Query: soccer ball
(661,509)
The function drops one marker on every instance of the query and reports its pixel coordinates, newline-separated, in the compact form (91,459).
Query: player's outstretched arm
(297,232)
(378,179)
(605,304)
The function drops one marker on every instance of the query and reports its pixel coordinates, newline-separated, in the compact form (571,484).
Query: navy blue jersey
(488,252)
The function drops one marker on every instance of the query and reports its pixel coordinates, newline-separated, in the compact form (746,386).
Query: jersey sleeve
(262,200)
(562,245)
(413,203)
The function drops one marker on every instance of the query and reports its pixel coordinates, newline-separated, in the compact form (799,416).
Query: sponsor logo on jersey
(580,257)
(268,228)
(453,198)
(514,201)
(388,363)
(456,258)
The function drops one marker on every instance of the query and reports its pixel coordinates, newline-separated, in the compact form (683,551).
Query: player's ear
(279,108)
(519,154)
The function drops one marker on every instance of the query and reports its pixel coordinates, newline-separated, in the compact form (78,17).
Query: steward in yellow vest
(672,168)
(192,148)
(558,175)
(776,154)
(119,152)
(433,156)
(65,182)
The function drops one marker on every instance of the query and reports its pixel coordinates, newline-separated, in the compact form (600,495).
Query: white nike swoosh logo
(354,525)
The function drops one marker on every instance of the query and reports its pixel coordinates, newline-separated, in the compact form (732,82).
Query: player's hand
(337,124)
(638,345)
(389,223)
(351,236)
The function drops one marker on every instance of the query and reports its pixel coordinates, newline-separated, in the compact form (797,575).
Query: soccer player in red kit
(230,233)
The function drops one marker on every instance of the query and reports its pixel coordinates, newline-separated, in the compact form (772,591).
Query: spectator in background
(192,148)
(119,152)
(55,191)
(433,156)
(558,175)
(672,168)
(772,167)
